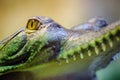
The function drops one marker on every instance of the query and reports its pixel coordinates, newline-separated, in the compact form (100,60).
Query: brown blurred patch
(14,13)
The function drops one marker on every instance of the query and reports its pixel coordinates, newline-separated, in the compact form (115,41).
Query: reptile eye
(33,24)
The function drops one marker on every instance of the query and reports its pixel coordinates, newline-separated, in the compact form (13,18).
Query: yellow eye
(33,24)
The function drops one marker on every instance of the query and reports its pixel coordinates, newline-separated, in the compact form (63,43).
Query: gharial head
(40,35)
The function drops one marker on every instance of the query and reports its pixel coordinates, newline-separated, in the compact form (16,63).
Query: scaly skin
(47,49)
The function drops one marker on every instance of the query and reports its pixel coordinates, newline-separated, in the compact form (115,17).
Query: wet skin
(45,49)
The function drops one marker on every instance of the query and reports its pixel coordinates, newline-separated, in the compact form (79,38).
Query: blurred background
(15,13)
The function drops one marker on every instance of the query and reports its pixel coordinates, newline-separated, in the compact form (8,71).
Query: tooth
(96,50)
(74,57)
(103,46)
(118,35)
(81,55)
(67,61)
(117,38)
(110,43)
(89,53)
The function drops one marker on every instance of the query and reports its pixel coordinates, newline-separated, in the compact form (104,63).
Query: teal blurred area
(111,72)
(15,13)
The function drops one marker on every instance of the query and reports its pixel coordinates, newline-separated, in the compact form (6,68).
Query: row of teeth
(115,33)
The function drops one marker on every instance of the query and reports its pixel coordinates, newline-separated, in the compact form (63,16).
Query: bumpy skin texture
(94,24)
(58,51)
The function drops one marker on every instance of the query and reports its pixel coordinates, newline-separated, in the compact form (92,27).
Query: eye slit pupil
(32,24)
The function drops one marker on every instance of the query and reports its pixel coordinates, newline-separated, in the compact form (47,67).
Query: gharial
(46,49)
